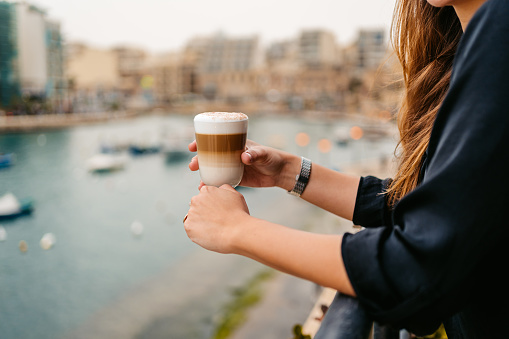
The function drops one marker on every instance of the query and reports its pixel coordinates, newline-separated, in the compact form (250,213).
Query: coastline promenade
(20,123)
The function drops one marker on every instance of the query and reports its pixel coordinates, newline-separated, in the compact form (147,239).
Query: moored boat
(105,163)
(7,159)
(11,207)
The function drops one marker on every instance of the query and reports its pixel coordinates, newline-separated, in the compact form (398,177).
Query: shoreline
(28,123)
(53,121)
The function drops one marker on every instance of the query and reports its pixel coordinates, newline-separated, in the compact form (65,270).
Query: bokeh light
(23,246)
(356,133)
(302,139)
(324,145)
(47,241)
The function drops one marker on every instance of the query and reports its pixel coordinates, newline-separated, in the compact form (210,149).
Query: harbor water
(121,265)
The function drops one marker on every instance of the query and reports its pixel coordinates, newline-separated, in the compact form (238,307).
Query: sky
(166,25)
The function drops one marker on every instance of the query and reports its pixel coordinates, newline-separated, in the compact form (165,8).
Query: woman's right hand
(264,166)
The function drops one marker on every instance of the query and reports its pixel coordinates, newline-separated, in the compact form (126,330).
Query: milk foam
(220,123)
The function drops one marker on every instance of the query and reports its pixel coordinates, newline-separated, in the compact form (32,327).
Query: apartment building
(31,54)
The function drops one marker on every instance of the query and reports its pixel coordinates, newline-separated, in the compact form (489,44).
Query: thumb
(252,155)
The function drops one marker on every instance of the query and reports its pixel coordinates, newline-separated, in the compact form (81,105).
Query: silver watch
(302,179)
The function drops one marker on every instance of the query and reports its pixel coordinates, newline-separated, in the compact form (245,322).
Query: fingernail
(250,157)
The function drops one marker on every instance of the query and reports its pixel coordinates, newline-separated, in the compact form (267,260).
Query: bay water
(101,279)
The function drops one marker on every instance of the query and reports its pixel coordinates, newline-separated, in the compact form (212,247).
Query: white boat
(106,163)
(11,207)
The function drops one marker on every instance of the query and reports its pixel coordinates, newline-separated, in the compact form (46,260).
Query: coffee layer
(214,159)
(221,143)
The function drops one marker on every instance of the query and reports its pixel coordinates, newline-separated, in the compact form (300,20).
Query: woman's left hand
(215,217)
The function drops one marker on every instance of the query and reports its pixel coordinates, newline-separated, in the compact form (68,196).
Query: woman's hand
(264,166)
(215,216)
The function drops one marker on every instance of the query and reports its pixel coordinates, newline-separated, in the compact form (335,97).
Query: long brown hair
(425,39)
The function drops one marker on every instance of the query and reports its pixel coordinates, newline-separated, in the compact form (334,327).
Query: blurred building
(31,56)
(130,63)
(93,78)
(9,73)
(56,85)
(167,80)
(317,47)
(174,76)
(228,68)
(371,48)
(306,73)
(92,69)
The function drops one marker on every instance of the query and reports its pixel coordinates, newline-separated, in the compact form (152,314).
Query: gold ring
(185,218)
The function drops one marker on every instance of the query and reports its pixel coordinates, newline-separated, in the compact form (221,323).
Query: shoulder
(481,61)
(487,34)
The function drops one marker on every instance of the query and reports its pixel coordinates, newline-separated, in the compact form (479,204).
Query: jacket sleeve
(371,208)
(449,229)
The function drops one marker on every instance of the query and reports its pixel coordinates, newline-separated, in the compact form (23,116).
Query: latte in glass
(221,139)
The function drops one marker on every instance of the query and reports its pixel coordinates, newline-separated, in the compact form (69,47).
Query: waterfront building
(317,47)
(93,78)
(56,85)
(167,81)
(9,74)
(130,65)
(91,69)
(306,73)
(31,55)
(229,68)
(371,48)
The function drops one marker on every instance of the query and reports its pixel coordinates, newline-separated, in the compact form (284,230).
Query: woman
(433,248)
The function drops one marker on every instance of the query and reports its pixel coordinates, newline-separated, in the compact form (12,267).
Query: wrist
(291,169)
(238,238)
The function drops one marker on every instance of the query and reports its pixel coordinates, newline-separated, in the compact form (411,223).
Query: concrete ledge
(314,320)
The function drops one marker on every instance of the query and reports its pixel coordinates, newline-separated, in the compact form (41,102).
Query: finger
(193,165)
(227,187)
(192,146)
(201,185)
(205,188)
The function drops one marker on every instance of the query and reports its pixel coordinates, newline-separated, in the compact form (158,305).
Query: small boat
(342,136)
(105,163)
(111,148)
(143,149)
(7,159)
(11,207)
(175,149)
(174,144)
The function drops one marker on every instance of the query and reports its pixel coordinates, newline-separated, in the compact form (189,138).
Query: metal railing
(347,319)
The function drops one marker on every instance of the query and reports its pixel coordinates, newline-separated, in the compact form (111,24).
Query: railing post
(345,319)
(384,332)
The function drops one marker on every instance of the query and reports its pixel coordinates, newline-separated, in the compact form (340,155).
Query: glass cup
(221,139)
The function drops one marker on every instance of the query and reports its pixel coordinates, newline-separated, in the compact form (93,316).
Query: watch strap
(302,179)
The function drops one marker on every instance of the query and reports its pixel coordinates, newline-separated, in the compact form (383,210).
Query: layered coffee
(221,139)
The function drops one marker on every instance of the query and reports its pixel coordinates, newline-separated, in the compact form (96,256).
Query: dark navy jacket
(442,254)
